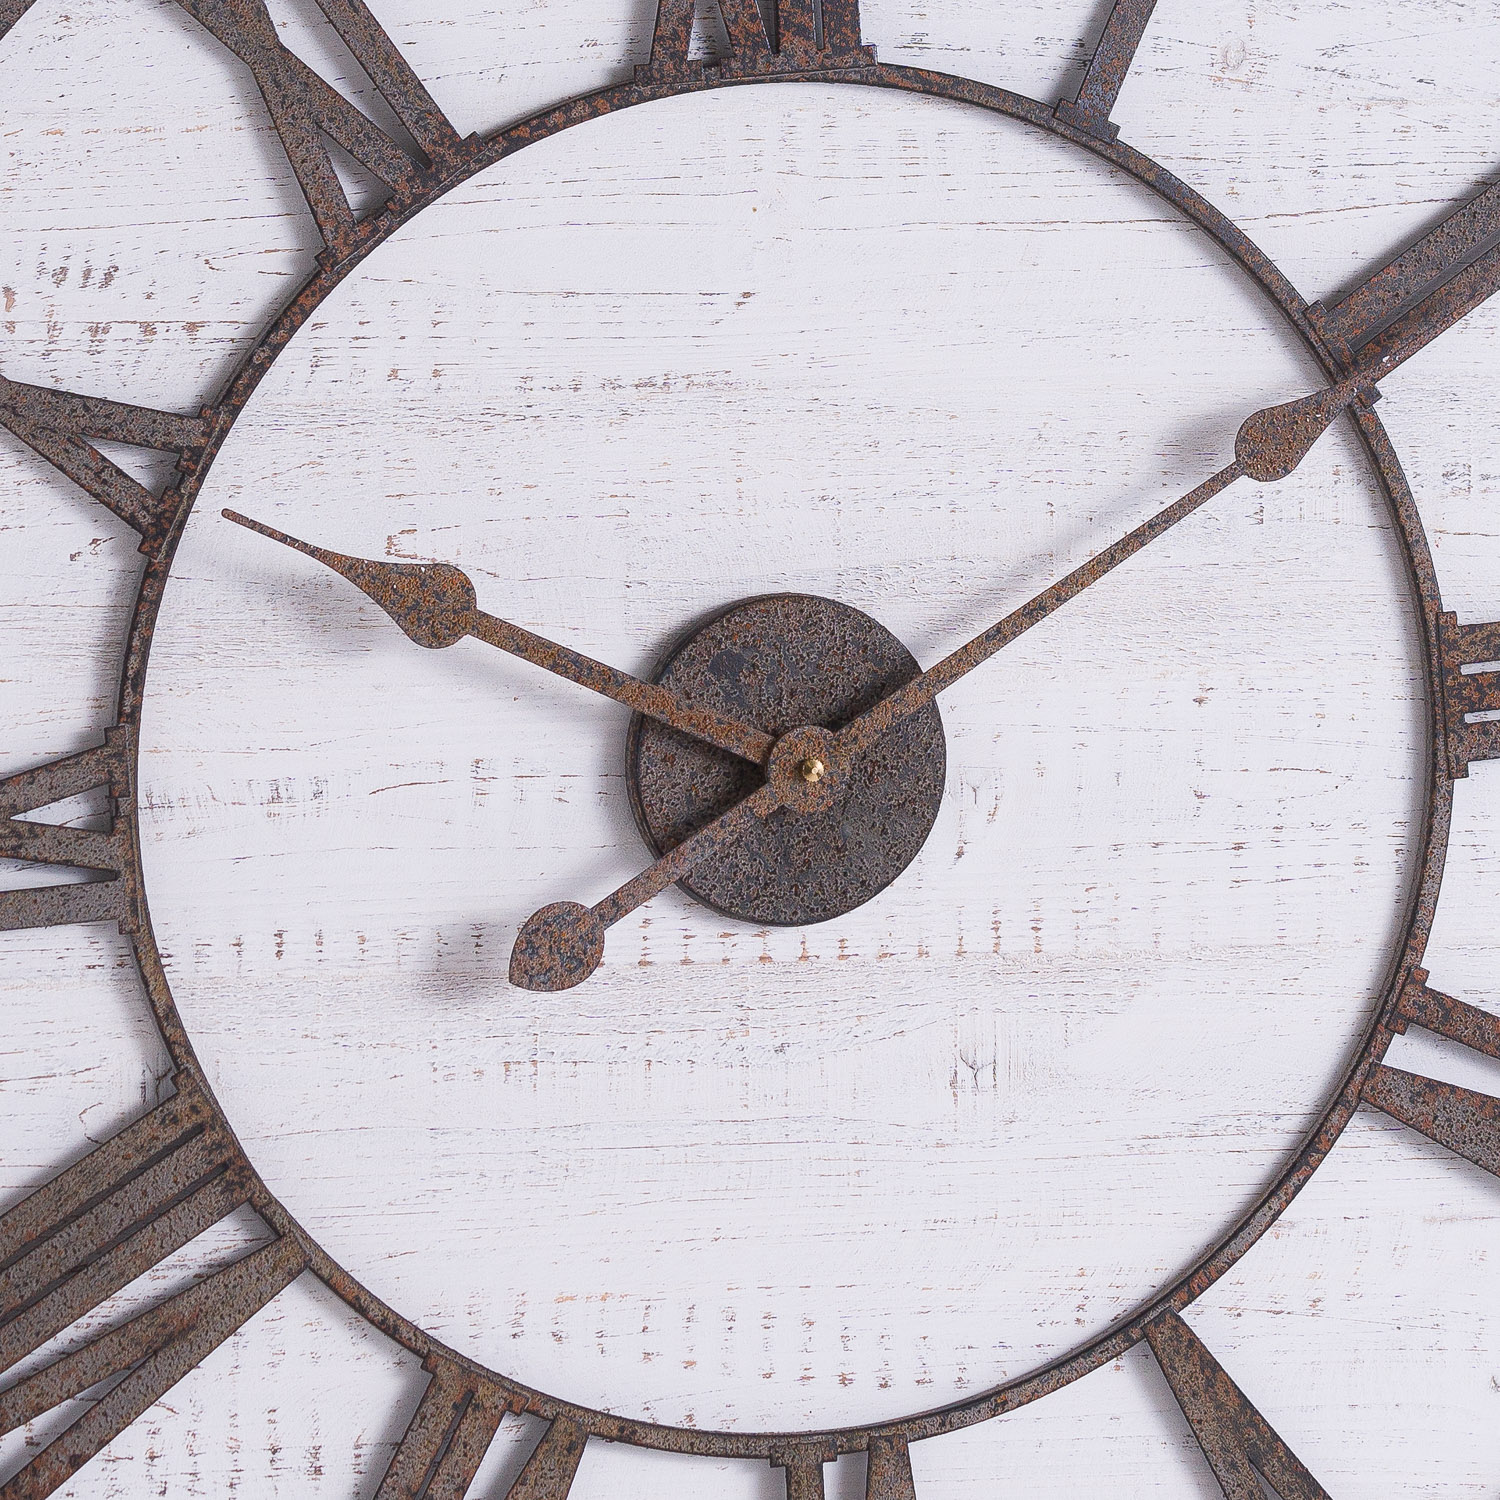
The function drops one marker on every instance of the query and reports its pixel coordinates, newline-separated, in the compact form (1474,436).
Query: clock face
(983,1068)
(1096,981)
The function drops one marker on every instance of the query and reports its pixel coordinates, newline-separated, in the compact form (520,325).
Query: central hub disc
(800,668)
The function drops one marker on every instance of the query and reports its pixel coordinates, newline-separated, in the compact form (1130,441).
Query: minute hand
(1268,447)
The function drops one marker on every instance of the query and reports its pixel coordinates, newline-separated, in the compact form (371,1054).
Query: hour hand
(560,945)
(434,603)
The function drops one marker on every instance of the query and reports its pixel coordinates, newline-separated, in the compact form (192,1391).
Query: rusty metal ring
(1064,123)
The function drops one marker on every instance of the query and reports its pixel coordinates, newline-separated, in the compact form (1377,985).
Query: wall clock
(690,1045)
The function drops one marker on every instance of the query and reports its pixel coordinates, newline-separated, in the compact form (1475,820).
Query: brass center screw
(813,770)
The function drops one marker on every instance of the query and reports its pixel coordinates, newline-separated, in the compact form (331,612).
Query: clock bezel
(1385,1022)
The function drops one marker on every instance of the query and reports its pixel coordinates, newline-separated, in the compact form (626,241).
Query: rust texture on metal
(58,426)
(70,1245)
(436,606)
(785,662)
(803,1471)
(1464,1120)
(1471,691)
(1237,1441)
(113,1215)
(548,1474)
(308,112)
(157,1348)
(109,855)
(1091,107)
(888,1473)
(122,1208)
(1420,1005)
(785,37)
(11,11)
(1459,242)
(447,1437)
(561,944)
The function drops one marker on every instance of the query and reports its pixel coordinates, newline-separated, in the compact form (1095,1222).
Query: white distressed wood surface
(725,1147)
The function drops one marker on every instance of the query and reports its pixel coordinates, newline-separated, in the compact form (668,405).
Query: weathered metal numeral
(1236,1440)
(803,1466)
(116,896)
(113,1215)
(802,35)
(549,1471)
(1418,294)
(447,1438)
(1470,670)
(889,1474)
(1091,107)
(1464,1120)
(74,1243)
(157,1349)
(58,425)
(305,109)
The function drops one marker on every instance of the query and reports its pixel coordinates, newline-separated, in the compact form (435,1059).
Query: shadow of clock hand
(1269,446)
(434,603)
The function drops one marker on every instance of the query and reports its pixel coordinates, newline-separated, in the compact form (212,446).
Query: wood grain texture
(343,832)
(147,233)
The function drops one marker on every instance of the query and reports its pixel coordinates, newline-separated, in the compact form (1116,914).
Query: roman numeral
(112,1216)
(889,1473)
(305,110)
(103,1222)
(441,1450)
(58,425)
(1236,1440)
(549,1471)
(802,36)
(1091,107)
(442,1447)
(1464,1120)
(804,1471)
(1469,695)
(157,1349)
(1414,297)
(114,897)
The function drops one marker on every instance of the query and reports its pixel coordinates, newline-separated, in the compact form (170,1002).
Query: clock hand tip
(558,947)
(433,603)
(246,522)
(262,529)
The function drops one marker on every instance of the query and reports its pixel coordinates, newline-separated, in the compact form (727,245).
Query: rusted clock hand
(560,945)
(1269,446)
(434,603)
